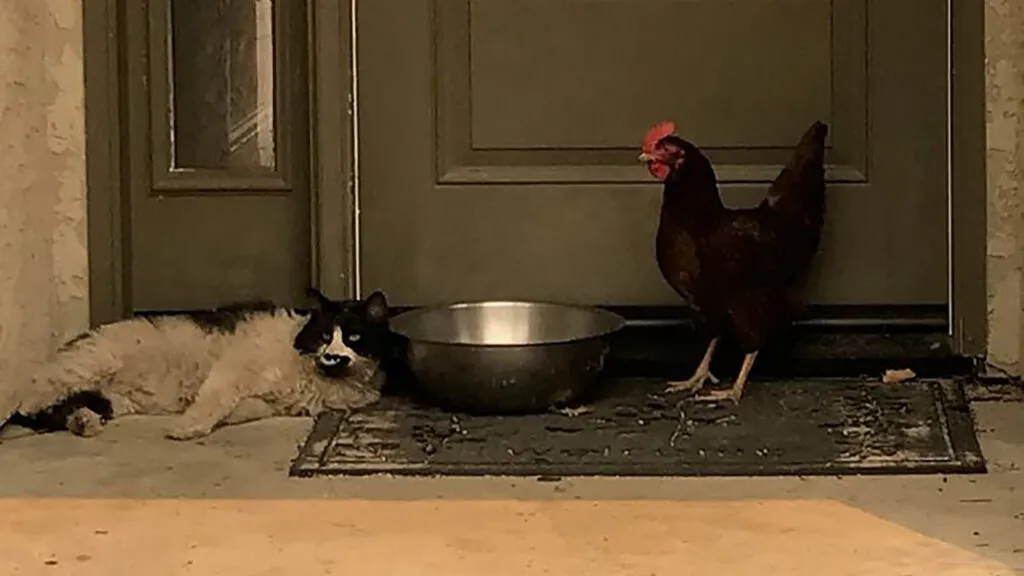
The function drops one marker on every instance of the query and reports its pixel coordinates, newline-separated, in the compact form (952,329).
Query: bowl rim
(618,321)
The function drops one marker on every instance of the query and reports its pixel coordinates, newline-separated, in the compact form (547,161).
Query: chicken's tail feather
(812,145)
(799,190)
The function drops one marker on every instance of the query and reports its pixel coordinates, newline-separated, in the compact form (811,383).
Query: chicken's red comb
(656,133)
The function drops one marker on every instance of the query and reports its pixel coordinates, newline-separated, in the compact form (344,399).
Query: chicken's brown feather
(739,268)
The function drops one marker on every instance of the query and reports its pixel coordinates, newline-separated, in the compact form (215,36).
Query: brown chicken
(738,269)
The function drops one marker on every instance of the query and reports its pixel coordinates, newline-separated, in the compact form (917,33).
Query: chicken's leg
(736,390)
(700,376)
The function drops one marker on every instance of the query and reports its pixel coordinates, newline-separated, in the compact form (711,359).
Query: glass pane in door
(222,84)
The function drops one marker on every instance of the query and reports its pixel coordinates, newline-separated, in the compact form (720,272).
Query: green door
(498,139)
(218,152)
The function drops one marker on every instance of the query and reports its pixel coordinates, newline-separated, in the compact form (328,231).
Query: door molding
(334,218)
(104,175)
(968,191)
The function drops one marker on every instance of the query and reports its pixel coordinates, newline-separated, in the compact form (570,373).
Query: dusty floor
(983,514)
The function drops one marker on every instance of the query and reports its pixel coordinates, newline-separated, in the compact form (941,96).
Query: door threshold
(837,342)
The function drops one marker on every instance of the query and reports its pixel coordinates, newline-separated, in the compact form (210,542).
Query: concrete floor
(982,514)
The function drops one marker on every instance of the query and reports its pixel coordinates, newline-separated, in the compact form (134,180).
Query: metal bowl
(506,357)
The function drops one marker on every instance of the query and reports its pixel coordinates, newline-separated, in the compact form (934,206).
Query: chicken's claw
(693,384)
(700,376)
(732,393)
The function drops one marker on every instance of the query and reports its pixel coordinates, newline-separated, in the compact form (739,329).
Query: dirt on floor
(132,459)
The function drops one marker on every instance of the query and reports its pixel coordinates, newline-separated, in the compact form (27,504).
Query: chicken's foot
(700,376)
(735,391)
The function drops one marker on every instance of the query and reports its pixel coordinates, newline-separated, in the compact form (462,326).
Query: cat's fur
(232,365)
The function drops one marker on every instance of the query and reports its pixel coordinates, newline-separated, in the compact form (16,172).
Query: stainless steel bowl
(506,357)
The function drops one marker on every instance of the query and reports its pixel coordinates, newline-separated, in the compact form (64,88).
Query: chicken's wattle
(659,170)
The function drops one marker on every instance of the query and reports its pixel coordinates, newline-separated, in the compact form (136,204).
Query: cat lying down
(235,364)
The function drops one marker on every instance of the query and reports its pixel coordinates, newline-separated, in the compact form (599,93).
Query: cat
(235,364)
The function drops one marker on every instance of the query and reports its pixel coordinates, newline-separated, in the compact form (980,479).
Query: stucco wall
(43,258)
(1004,47)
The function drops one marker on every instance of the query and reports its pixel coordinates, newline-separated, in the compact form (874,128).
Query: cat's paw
(85,422)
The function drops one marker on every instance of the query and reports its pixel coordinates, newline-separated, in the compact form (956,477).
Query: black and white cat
(231,365)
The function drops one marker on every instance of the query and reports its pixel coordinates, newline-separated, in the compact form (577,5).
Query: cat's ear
(376,307)
(317,298)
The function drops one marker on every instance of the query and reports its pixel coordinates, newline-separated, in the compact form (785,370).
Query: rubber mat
(799,427)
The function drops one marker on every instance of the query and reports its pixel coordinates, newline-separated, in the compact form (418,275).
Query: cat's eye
(354,338)
(327,337)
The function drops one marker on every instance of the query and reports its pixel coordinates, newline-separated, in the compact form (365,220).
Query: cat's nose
(335,360)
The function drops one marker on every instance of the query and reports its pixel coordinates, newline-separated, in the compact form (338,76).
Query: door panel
(498,139)
(219,160)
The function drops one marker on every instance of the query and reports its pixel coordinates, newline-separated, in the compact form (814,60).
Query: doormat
(821,427)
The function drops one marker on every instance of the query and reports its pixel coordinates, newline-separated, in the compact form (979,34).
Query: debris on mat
(897,376)
(574,411)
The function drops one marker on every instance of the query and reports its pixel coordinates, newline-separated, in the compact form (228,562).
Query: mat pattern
(831,427)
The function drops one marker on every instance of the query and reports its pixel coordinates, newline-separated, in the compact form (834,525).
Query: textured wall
(43,258)
(1004,47)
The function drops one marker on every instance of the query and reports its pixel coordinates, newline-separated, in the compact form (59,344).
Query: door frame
(334,162)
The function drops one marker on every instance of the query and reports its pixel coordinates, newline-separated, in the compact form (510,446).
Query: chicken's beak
(644,157)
